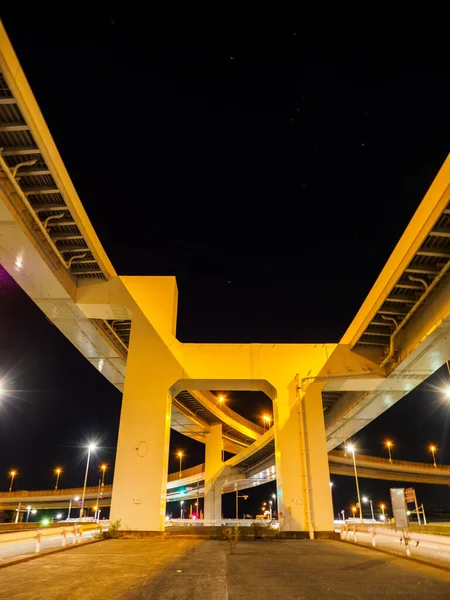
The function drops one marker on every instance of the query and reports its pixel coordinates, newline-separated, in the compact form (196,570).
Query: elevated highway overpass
(191,484)
(126,326)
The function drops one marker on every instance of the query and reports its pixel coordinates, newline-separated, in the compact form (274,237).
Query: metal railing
(39,535)
(197,470)
(361,458)
(61,492)
(409,542)
(220,523)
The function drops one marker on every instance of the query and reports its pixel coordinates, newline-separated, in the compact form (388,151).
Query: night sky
(272,171)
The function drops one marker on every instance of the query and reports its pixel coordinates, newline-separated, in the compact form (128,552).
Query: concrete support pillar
(140,477)
(213,469)
(303,479)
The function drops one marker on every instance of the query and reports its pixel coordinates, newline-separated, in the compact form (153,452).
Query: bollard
(373,537)
(80,534)
(354,534)
(74,541)
(38,542)
(64,537)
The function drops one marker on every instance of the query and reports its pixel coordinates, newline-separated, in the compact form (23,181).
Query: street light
(353,511)
(351,449)
(221,399)
(91,448)
(433,452)
(28,513)
(382,506)
(274,498)
(266,419)
(446,393)
(103,468)
(12,475)
(237,502)
(58,472)
(389,446)
(181,509)
(365,499)
(180,456)
(76,499)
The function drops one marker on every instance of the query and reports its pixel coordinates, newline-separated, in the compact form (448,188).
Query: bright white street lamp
(365,499)
(351,448)
(91,448)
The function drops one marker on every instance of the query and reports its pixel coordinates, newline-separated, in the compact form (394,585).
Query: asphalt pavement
(183,569)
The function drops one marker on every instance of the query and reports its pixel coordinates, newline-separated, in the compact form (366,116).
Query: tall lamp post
(180,456)
(12,475)
(351,449)
(91,448)
(103,468)
(70,505)
(433,452)
(389,446)
(237,502)
(365,499)
(58,472)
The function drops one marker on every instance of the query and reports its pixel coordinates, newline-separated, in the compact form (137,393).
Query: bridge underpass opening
(411,425)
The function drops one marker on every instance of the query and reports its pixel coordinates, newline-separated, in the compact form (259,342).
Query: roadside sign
(80,503)
(398,503)
(410,495)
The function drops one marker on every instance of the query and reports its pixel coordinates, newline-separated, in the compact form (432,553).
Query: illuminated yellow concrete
(426,215)
(158,362)
(21,90)
(140,476)
(213,468)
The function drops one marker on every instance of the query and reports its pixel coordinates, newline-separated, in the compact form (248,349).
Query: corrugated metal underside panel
(122,329)
(260,456)
(329,398)
(423,269)
(196,408)
(23,157)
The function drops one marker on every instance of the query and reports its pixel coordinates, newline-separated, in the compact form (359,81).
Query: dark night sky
(271,170)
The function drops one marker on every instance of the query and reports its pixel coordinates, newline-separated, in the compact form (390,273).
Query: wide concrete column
(140,476)
(303,479)
(213,468)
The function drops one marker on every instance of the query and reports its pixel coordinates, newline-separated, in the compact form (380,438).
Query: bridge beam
(140,478)
(213,468)
(303,479)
